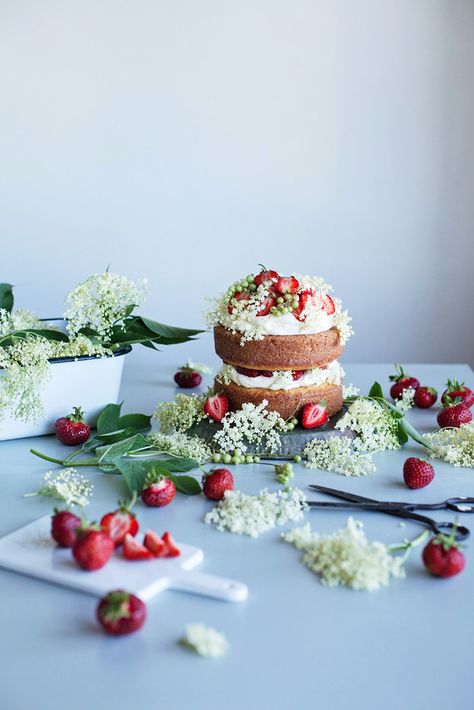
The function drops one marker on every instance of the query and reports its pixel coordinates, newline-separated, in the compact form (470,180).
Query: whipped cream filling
(285,324)
(283,379)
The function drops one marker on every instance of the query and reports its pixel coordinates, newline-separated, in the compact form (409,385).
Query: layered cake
(280,338)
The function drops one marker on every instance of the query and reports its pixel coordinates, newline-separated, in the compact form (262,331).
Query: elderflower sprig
(251,425)
(180,444)
(406,401)
(180,414)
(454,445)
(67,485)
(338,454)
(205,641)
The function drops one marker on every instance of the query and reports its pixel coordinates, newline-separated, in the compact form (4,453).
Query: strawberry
(287,285)
(417,473)
(314,415)
(72,430)
(121,613)
(155,544)
(93,548)
(132,550)
(265,276)
(64,527)
(425,397)
(217,482)
(238,296)
(457,393)
(328,304)
(267,304)
(254,373)
(120,522)
(454,416)
(187,377)
(442,556)
(304,298)
(158,492)
(216,407)
(402,382)
(171,549)
(297,374)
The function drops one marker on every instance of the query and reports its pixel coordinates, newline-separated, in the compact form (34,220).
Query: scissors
(401,510)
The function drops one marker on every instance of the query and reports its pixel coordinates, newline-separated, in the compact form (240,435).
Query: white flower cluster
(250,425)
(180,444)
(180,414)
(372,422)
(242,315)
(205,641)
(200,367)
(79,346)
(101,301)
(68,485)
(350,390)
(18,320)
(253,515)
(406,401)
(338,454)
(347,557)
(342,322)
(454,445)
(26,369)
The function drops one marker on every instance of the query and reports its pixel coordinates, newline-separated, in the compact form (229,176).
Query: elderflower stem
(65,462)
(408,545)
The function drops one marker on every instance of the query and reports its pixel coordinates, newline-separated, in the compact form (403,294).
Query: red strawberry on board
(159,492)
(171,548)
(417,473)
(72,430)
(402,382)
(265,276)
(217,482)
(120,522)
(442,556)
(314,415)
(153,542)
(187,377)
(93,548)
(216,407)
(457,393)
(454,416)
(121,613)
(287,285)
(425,397)
(134,551)
(328,304)
(64,527)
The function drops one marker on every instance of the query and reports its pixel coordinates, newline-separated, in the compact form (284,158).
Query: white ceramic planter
(86,382)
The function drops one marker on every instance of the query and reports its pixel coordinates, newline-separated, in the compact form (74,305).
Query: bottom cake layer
(288,403)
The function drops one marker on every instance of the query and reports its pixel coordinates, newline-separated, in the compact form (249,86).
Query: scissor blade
(342,494)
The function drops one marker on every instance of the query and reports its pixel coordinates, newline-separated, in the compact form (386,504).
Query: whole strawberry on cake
(280,338)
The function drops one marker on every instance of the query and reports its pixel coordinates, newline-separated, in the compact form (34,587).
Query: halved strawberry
(132,550)
(155,544)
(265,276)
(305,297)
(297,374)
(171,549)
(328,304)
(238,296)
(287,284)
(267,304)
(216,407)
(119,523)
(314,415)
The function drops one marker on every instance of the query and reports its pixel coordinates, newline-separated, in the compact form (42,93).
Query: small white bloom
(406,401)
(181,414)
(339,454)
(373,423)
(454,445)
(200,367)
(205,641)
(67,485)
(180,444)
(350,390)
(250,425)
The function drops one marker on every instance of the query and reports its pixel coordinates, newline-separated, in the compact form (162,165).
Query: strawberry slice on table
(153,542)
(328,304)
(267,304)
(171,548)
(133,550)
(265,276)
(314,415)
(287,284)
(120,522)
(216,407)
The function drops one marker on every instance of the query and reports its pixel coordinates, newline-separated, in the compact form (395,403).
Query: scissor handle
(460,532)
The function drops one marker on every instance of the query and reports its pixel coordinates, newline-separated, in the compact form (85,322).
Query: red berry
(64,527)
(217,482)
(159,493)
(72,430)
(304,299)
(417,473)
(247,373)
(314,415)
(328,304)
(238,296)
(297,374)
(132,550)
(267,304)
(216,407)
(265,276)
(287,285)
(187,378)
(119,523)
(171,549)
(402,382)
(457,393)
(442,556)
(121,613)
(155,544)
(93,548)
(454,416)
(425,397)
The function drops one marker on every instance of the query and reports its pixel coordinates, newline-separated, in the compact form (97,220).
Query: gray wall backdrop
(187,140)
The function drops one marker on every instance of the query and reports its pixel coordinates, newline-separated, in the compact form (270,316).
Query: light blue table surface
(294,643)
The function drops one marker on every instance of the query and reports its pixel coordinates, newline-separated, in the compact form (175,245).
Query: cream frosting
(283,380)
(285,324)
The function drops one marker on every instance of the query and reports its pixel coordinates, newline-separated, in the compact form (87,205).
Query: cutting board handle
(210,586)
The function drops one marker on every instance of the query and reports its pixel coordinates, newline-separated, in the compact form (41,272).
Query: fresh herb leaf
(6,297)
(108,419)
(135,472)
(376,391)
(187,485)
(108,453)
(139,422)
(179,465)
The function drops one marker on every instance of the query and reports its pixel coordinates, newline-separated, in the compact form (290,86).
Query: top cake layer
(272,305)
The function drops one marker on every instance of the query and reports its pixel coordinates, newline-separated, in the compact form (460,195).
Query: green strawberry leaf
(139,422)
(135,472)
(6,297)
(187,485)
(108,419)
(376,391)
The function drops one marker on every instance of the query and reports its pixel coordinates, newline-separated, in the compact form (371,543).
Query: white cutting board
(32,551)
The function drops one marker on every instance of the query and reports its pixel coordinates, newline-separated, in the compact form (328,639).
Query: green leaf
(178,465)
(135,472)
(412,433)
(187,485)
(108,453)
(402,436)
(108,419)
(119,435)
(376,391)
(56,335)
(6,297)
(135,421)
(169,331)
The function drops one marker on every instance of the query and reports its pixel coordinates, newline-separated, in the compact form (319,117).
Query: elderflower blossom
(454,445)
(406,401)
(26,369)
(205,641)
(350,390)
(250,425)
(342,321)
(20,319)
(101,301)
(346,557)
(200,367)
(180,444)
(253,515)
(376,428)
(338,454)
(80,346)
(68,485)
(180,414)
